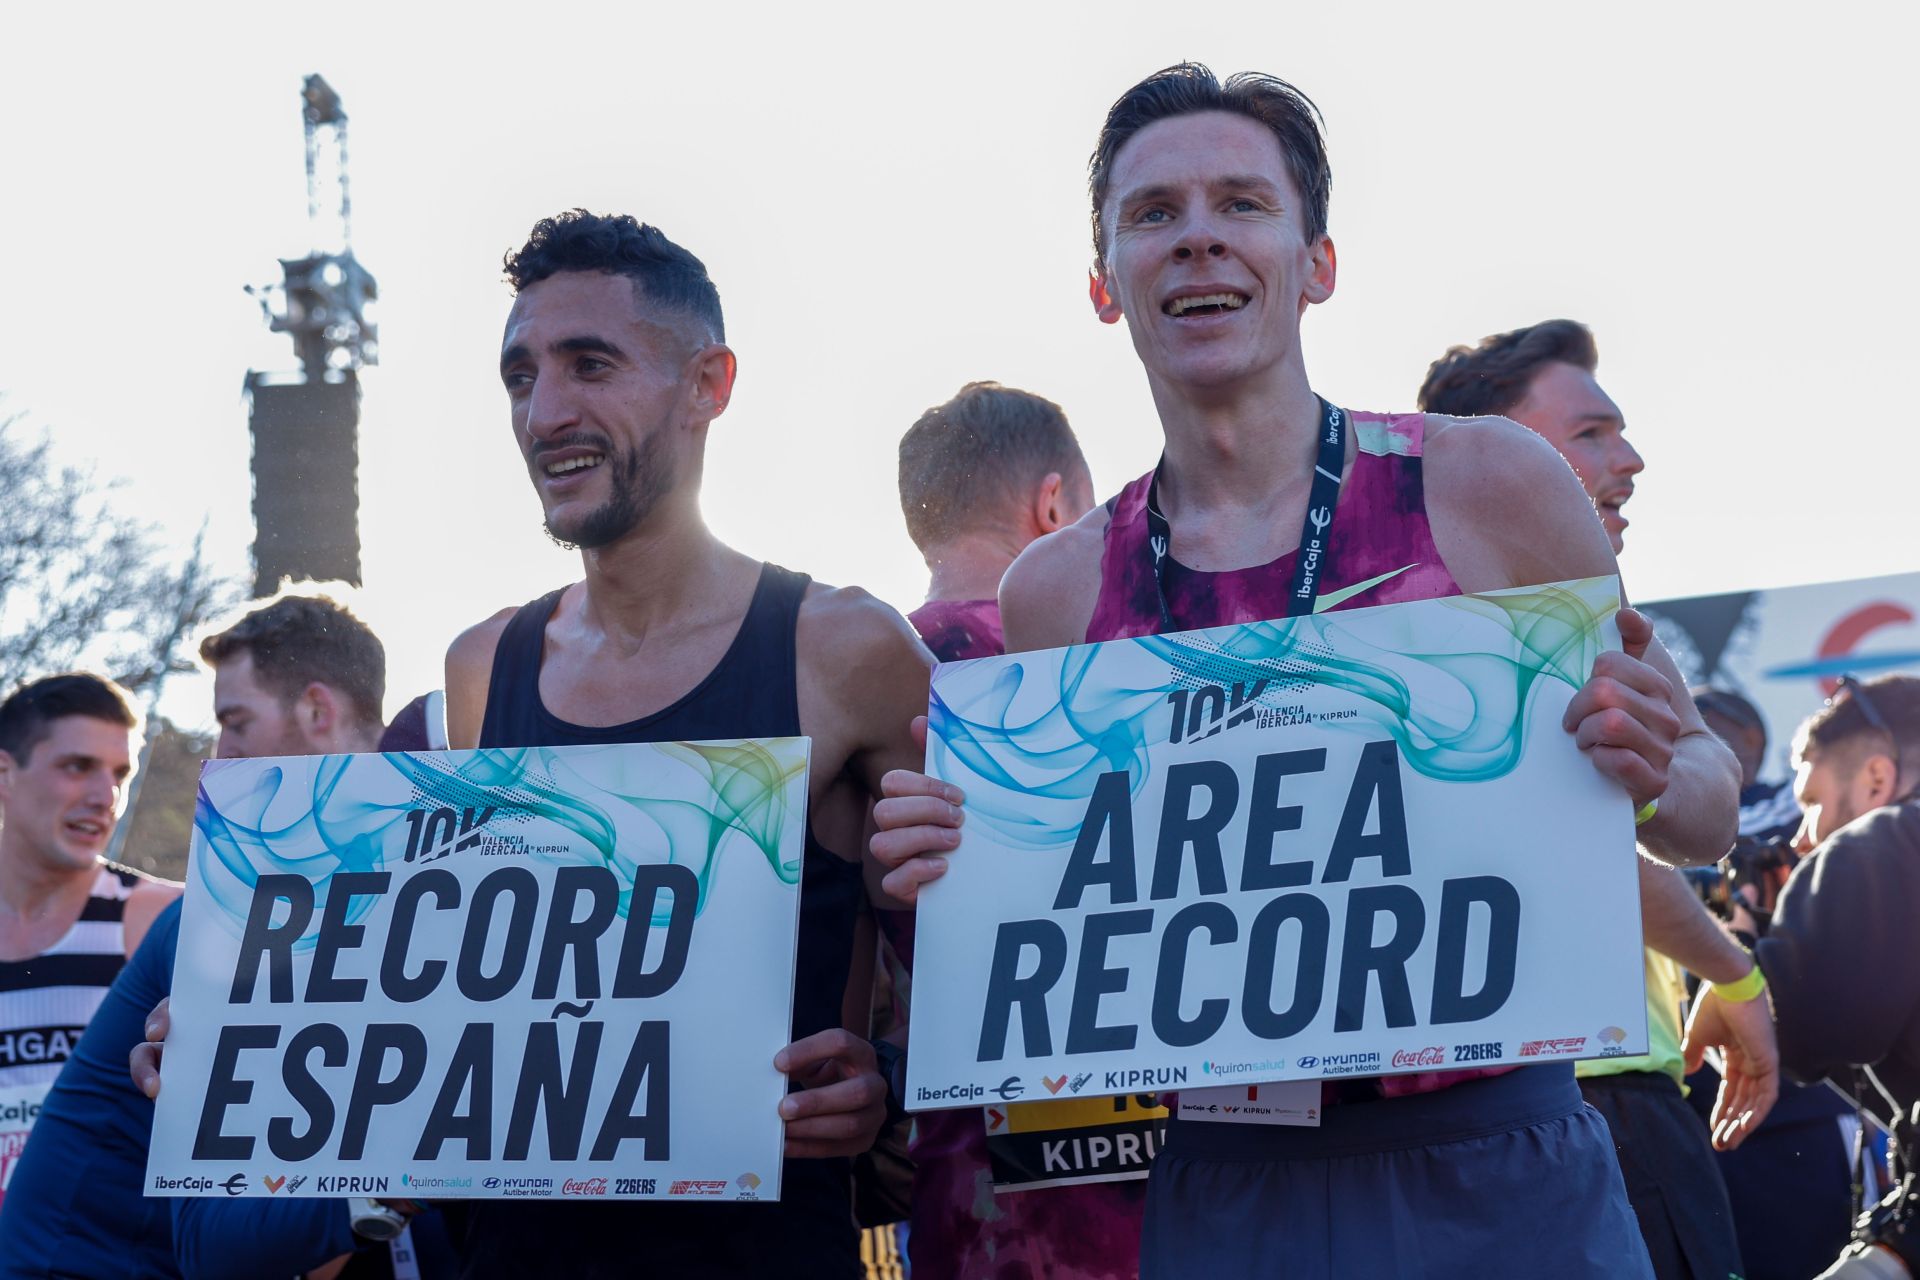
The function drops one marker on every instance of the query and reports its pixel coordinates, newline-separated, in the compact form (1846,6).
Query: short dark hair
(964,461)
(1845,724)
(662,272)
(298,640)
(26,717)
(1493,377)
(1729,705)
(1187,88)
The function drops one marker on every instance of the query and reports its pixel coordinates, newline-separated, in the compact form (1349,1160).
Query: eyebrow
(586,343)
(1229,182)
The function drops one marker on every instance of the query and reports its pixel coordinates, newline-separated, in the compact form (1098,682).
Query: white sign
(1351,844)
(552,972)
(1785,648)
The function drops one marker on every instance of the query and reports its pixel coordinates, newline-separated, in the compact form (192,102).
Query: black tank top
(751,693)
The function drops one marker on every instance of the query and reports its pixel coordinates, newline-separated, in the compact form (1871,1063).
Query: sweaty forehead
(1198,149)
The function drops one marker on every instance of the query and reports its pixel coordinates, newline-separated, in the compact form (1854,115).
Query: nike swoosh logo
(1334,599)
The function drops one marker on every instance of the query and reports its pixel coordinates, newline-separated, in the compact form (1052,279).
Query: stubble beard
(638,479)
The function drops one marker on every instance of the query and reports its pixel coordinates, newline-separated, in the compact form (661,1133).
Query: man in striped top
(68,918)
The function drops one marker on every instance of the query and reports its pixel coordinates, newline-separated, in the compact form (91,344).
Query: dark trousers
(1673,1183)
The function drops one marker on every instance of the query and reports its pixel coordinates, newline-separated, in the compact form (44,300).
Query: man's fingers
(834,1042)
(901,812)
(905,782)
(919,731)
(144,1065)
(857,1095)
(913,844)
(160,1021)
(1636,632)
(903,883)
(1631,771)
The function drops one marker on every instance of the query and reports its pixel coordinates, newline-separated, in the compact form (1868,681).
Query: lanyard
(1315,533)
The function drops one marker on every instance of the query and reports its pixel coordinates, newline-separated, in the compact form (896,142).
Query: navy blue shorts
(1509,1176)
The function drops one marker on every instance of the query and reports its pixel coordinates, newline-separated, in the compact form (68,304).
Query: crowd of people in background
(1776,1105)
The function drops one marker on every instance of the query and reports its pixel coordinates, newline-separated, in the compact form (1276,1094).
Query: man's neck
(970,566)
(31,887)
(663,570)
(1237,451)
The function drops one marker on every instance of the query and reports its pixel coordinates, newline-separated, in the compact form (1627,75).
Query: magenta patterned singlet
(962,1230)
(1383,554)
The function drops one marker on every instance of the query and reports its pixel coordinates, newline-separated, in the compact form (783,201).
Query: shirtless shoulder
(145,902)
(469,671)
(1048,594)
(862,669)
(1506,509)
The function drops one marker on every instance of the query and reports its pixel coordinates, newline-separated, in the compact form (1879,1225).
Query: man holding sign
(615,366)
(1210,207)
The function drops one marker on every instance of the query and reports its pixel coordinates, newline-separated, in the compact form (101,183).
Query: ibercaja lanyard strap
(1315,533)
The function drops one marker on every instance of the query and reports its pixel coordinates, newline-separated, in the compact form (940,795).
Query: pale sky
(892,201)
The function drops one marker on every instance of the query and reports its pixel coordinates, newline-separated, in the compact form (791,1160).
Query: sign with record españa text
(1335,845)
(487,973)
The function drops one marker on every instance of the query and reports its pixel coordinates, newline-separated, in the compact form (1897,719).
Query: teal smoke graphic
(1450,680)
(355,815)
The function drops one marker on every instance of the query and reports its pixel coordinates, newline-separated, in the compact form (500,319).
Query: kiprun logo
(1211,708)
(433,834)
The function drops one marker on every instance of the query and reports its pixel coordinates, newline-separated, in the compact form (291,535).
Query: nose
(1627,460)
(551,408)
(1197,237)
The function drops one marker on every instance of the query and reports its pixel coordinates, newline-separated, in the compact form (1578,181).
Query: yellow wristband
(1745,989)
(1647,810)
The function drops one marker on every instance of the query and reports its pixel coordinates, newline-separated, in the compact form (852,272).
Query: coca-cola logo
(584,1187)
(1432,1056)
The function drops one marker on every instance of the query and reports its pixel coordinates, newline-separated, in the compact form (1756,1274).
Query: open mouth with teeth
(571,465)
(86,828)
(1205,304)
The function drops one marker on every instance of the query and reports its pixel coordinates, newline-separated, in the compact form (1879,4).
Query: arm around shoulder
(469,671)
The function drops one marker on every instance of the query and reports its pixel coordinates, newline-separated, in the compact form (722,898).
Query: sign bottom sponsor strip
(1333,846)
(487,974)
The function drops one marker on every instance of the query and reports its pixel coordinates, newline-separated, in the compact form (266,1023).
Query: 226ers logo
(1487,1052)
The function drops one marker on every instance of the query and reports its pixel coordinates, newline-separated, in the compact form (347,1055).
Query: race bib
(1073,1141)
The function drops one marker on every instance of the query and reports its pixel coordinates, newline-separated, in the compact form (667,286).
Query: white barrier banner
(555,972)
(1351,844)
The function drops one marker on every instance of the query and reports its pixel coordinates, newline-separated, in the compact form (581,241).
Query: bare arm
(469,671)
(1677,926)
(1048,593)
(144,905)
(1507,511)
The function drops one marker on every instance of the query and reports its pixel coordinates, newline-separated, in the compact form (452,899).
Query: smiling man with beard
(615,367)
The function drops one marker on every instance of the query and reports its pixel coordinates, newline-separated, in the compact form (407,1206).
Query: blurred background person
(1791,1182)
(299,675)
(981,476)
(1840,953)
(1542,377)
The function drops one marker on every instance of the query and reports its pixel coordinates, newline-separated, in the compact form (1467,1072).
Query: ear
(1050,503)
(1877,783)
(317,711)
(1320,277)
(714,368)
(1100,293)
